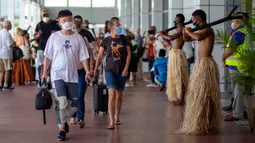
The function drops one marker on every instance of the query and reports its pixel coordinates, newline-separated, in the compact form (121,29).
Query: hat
(44,12)
(86,21)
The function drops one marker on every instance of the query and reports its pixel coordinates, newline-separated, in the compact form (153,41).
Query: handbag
(17,54)
(43,99)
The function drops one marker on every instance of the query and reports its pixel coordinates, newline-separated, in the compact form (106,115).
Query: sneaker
(127,85)
(66,127)
(61,136)
(8,88)
(81,124)
(152,85)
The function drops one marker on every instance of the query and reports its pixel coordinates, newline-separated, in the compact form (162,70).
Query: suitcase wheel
(252,130)
(96,112)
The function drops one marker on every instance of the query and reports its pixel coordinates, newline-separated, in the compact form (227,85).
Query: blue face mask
(118,30)
(75,31)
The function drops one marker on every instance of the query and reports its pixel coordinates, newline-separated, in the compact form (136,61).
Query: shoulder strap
(93,32)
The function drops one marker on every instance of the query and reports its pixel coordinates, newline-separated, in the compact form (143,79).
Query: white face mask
(232,26)
(46,19)
(67,25)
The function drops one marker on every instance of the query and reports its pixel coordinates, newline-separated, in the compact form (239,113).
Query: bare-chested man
(202,111)
(177,74)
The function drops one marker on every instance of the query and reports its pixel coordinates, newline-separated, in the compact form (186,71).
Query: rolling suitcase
(100,98)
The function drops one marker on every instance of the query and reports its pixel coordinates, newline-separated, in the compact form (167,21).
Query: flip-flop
(111,127)
(117,123)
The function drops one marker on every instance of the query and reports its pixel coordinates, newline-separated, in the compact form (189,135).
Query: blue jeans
(82,88)
(151,62)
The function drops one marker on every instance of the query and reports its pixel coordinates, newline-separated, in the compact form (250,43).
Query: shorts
(5,65)
(115,80)
(39,58)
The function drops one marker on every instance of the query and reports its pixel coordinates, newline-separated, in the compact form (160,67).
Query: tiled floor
(147,117)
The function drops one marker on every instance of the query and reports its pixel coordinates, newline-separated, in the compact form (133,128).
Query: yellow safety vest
(233,60)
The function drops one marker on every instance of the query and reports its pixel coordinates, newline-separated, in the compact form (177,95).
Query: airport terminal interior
(147,114)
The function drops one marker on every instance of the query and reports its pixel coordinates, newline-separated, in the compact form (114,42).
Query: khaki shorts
(5,65)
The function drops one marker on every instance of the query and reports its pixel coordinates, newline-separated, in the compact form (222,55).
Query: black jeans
(151,62)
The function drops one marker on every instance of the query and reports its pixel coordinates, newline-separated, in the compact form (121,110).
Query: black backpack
(43,99)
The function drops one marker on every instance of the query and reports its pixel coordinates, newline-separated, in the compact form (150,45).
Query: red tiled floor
(146,115)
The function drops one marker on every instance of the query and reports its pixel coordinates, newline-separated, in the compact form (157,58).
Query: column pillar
(11,14)
(175,7)
(135,15)
(22,14)
(157,13)
(122,12)
(128,13)
(144,7)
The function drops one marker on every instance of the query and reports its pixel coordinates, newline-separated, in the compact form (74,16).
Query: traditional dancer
(202,111)
(177,76)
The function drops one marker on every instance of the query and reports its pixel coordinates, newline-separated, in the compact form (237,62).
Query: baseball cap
(44,12)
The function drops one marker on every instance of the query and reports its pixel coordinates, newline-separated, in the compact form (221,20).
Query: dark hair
(151,32)
(162,53)
(200,13)
(115,18)
(106,28)
(78,24)
(78,16)
(181,17)
(64,13)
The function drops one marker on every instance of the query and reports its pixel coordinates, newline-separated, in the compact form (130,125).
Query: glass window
(103,3)
(3,9)
(55,3)
(80,3)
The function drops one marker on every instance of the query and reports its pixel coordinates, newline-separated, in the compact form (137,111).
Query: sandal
(117,123)
(111,127)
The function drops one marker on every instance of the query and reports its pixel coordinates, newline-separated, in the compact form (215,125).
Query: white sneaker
(127,85)
(152,85)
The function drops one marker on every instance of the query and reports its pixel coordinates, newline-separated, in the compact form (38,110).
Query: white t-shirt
(6,41)
(188,49)
(66,52)
(157,46)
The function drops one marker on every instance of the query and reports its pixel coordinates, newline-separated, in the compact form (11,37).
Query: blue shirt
(160,68)
(119,30)
(238,39)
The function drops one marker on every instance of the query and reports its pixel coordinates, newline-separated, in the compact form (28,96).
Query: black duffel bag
(43,99)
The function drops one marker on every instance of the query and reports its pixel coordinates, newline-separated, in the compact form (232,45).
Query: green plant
(245,77)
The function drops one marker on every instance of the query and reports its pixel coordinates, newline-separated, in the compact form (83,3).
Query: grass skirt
(203,112)
(177,75)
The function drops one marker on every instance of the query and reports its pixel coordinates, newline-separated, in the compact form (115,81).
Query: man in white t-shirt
(6,55)
(65,52)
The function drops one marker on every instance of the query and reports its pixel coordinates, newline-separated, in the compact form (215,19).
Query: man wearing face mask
(43,31)
(65,51)
(231,61)
(202,108)
(177,76)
